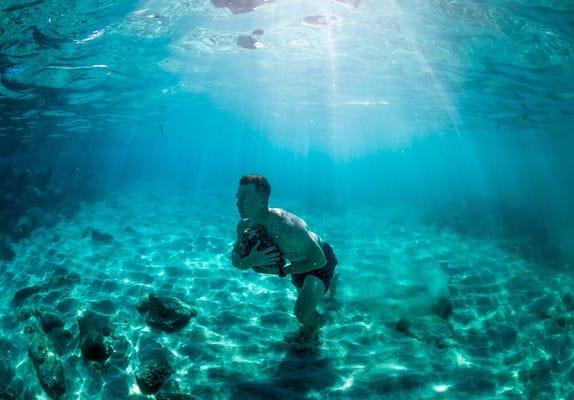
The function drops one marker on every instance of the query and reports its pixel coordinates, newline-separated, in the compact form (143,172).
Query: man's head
(253,195)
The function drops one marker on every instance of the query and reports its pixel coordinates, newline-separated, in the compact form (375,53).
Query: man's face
(249,201)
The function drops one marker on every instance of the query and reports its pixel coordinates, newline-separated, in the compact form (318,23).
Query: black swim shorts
(325,273)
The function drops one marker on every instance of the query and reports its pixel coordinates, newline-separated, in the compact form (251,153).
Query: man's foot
(303,335)
(307,333)
(293,336)
(305,347)
(304,339)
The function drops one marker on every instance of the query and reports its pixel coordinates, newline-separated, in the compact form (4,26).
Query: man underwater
(312,261)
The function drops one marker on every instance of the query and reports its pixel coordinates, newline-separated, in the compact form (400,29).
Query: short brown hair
(261,184)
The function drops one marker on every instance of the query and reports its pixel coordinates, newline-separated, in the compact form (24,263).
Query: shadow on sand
(296,375)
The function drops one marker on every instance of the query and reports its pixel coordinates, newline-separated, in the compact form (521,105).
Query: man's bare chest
(284,238)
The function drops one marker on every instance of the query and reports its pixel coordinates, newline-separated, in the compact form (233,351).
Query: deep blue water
(430,142)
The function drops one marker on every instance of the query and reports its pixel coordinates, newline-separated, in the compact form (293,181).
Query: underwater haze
(429,142)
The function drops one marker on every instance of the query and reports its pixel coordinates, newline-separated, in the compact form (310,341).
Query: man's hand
(262,259)
(267,269)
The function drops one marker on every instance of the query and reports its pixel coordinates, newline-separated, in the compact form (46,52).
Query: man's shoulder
(285,217)
(297,234)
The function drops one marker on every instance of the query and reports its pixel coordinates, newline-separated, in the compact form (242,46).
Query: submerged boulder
(44,356)
(50,320)
(26,292)
(429,329)
(95,340)
(97,236)
(166,313)
(152,374)
(154,368)
(143,304)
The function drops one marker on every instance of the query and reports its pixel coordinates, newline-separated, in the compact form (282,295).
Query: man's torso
(289,232)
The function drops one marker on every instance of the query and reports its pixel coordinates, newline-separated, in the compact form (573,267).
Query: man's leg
(305,307)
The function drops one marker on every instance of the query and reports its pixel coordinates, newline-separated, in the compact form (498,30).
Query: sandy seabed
(509,335)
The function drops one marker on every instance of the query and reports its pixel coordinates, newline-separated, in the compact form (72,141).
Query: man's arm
(235,257)
(256,258)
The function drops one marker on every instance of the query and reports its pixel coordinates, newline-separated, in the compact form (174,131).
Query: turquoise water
(429,142)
